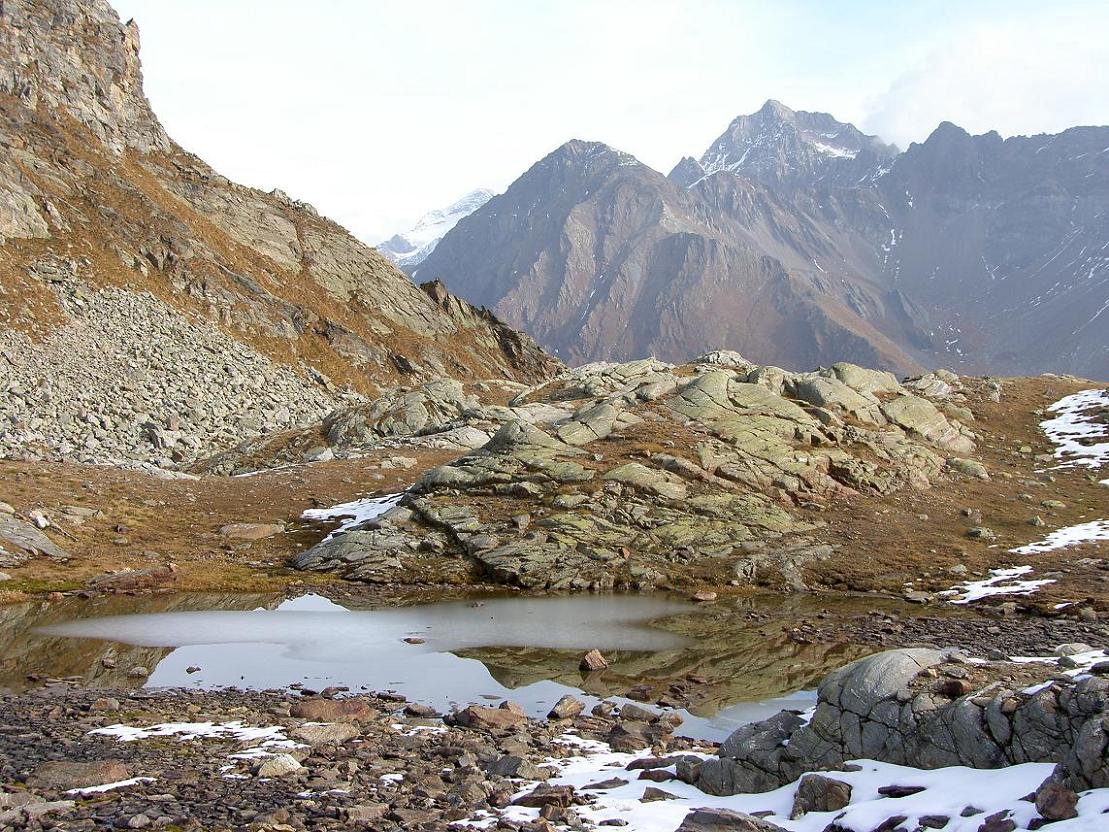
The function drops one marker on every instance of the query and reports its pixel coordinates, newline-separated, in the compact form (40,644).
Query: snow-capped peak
(412,247)
(778,146)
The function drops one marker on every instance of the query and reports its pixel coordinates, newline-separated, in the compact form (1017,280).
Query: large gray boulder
(914,707)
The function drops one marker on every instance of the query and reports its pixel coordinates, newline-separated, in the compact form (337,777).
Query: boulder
(968,467)
(333,710)
(1055,801)
(326,733)
(920,418)
(817,793)
(725,820)
(67,774)
(593,661)
(279,765)
(566,708)
(864,380)
(489,719)
(833,394)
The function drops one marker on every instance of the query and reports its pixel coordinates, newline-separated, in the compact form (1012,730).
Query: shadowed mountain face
(799,240)
(599,256)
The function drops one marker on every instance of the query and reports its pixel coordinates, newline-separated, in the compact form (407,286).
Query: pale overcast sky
(377,110)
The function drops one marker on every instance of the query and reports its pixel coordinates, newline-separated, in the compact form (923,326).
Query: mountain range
(798,240)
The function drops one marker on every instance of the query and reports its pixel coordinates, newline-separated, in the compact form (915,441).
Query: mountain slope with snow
(412,247)
(781,147)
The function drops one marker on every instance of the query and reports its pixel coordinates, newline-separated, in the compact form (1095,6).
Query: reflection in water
(523,648)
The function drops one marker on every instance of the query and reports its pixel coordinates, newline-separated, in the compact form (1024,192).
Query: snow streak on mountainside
(412,247)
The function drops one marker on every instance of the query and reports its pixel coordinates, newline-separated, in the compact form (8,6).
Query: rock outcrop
(927,709)
(629,474)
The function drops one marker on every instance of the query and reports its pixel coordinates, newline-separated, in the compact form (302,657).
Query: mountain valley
(768,495)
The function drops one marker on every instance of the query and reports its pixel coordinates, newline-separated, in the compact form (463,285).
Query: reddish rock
(489,719)
(333,710)
(1055,801)
(134,579)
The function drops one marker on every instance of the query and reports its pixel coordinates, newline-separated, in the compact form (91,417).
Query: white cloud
(1036,74)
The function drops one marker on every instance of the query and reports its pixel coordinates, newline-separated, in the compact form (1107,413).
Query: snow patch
(1076,427)
(353,514)
(945,791)
(107,787)
(1068,536)
(1000,582)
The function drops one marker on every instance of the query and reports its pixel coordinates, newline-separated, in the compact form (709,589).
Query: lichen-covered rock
(631,474)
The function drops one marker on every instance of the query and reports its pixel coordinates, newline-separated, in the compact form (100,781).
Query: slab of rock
(922,418)
(489,719)
(16,534)
(725,820)
(969,467)
(637,713)
(333,710)
(326,733)
(544,795)
(652,480)
(131,579)
(364,813)
(511,765)
(280,765)
(566,708)
(64,774)
(251,531)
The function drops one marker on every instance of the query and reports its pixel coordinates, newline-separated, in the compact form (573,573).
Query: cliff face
(99,207)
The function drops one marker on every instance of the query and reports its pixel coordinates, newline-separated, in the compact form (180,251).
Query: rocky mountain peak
(588,154)
(783,147)
(74,56)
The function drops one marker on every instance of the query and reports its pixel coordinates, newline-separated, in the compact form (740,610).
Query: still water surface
(524,649)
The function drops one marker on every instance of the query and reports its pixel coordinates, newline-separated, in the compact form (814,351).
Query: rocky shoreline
(75,758)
